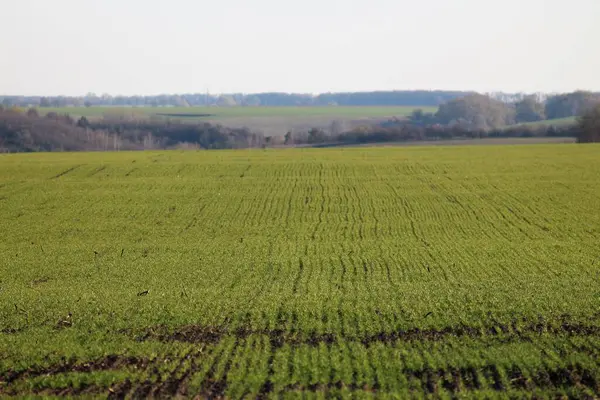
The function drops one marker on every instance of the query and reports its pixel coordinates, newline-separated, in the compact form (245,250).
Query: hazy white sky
(180,46)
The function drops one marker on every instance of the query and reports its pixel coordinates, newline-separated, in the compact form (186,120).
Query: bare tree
(589,125)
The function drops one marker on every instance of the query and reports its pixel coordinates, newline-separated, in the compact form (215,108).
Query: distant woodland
(378,98)
(381,98)
(469,116)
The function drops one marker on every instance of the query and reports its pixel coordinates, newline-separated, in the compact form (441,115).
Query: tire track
(67,171)
(97,171)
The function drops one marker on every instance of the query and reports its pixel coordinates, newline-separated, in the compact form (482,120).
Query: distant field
(269,120)
(454,142)
(391,272)
(555,122)
(236,112)
(272,121)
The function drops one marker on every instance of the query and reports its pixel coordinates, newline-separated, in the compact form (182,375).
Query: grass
(371,272)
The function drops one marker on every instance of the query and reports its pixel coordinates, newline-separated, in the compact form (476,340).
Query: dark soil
(431,381)
(453,380)
(277,337)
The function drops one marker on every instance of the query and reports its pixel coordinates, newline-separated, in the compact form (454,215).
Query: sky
(144,47)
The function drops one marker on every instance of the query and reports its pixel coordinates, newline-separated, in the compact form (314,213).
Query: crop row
(252,366)
(254,273)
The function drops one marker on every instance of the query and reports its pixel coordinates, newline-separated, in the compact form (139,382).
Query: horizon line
(316,94)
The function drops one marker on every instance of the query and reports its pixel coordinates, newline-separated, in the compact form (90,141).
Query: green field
(556,122)
(236,112)
(272,121)
(304,273)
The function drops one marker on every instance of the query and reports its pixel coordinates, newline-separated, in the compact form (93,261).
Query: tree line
(407,132)
(29,131)
(481,112)
(274,99)
(472,116)
(475,116)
